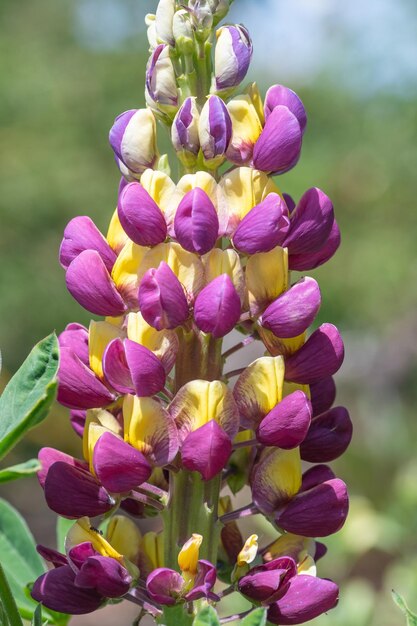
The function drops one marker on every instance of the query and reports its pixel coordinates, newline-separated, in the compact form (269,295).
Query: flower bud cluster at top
(165,424)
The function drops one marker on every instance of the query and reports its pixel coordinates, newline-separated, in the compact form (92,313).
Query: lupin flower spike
(166,424)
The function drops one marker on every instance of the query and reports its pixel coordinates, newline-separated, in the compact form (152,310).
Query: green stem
(7,600)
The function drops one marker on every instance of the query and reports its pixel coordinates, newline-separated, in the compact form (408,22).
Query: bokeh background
(68,67)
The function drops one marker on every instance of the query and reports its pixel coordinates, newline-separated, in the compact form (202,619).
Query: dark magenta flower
(307,597)
(264,227)
(162,300)
(140,216)
(287,425)
(82,234)
(206,450)
(278,148)
(217,307)
(328,437)
(268,582)
(196,223)
(278,95)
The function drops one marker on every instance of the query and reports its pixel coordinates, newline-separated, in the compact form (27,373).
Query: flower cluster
(164,429)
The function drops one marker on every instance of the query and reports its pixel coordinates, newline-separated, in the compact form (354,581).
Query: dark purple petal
(196,223)
(117,465)
(316,475)
(321,550)
(82,234)
(278,148)
(164,585)
(49,456)
(293,312)
(185,128)
(78,386)
(147,371)
(278,95)
(77,420)
(310,260)
(140,216)
(287,424)
(306,598)
(321,356)
(75,337)
(73,492)
(104,574)
(215,128)
(289,201)
(318,512)
(328,437)
(203,582)
(117,131)
(322,395)
(78,554)
(206,450)
(217,307)
(268,582)
(52,556)
(89,282)
(56,590)
(159,89)
(115,367)
(311,223)
(162,299)
(264,227)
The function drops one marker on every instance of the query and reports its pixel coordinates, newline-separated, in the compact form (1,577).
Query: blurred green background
(68,67)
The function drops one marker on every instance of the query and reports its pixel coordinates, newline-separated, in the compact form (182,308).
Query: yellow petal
(291,387)
(163,343)
(242,189)
(201,401)
(276,478)
(98,421)
(116,236)
(266,277)
(159,186)
(255,95)
(99,336)
(82,531)
(125,537)
(125,271)
(186,266)
(258,389)
(152,548)
(249,551)
(246,128)
(188,556)
(277,346)
(307,566)
(218,262)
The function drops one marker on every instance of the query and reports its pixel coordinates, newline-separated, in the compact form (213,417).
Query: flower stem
(239,346)
(245,511)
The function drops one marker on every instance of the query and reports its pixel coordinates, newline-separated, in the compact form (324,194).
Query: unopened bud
(183,32)
(163,22)
(202,17)
(184,132)
(161,87)
(233,54)
(215,131)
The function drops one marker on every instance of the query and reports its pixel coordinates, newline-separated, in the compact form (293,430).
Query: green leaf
(8,605)
(27,398)
(206,617)
(37,616)
(21,562)
(400,602)
(28,468)
(256,618)
(62,527)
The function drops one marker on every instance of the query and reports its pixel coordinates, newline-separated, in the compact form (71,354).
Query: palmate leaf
(400,602)
(27,398)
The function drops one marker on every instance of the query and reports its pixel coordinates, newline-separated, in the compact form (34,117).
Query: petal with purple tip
(311,223)
(217,307)
(89,282)
(315,476)
(206,450)
(322,395)
(278,148)
(321,356)
(278,95)
(196,223)
(286,426)
(328,437)
(162,299)
(264,227)
(106,575)
(49,456)
(307,598)
(311,260)
(118,466)
(147,371)
(56,590)
(214,129)
(233,54)
(82,234)
(75,337)
(140,216)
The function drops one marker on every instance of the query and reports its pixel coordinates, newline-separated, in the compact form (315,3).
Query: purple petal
(293,312)
(328,437)
(287,424)
(217,307)
(232,56)
(73,492)
(310,260)
(265,583)
(289,201)
(56,590)
(89,282)
(49,456)
(264,227)
(318,512)
(306,598)
(140,216)
(185,128)
(77,420)
(118,466)
(117,131)
(311,223)
(78,386)
(196,223)
(203,582)
(147,371)
(78,554)
(164,585)
(321,356)
(52,556)
(278,95)
(315,476)
(75,337)
(104,574)
(206,450)
(162,299)
(322,395)
(82,234)
(278,148)
(115,367)
(215,128)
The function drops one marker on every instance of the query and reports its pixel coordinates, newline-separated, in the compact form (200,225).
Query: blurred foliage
(59,98)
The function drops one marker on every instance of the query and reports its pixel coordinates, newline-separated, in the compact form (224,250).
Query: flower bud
(161,87)
(214,131)
(163,21)
(106,575)
(264,227)
(133,139)
(164,586)
(196,223)
(202,18)
(184,132)
(278,148)
(140,216)
(278,95)
(183,32)
(217,307)
(232,58)
(162,299)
